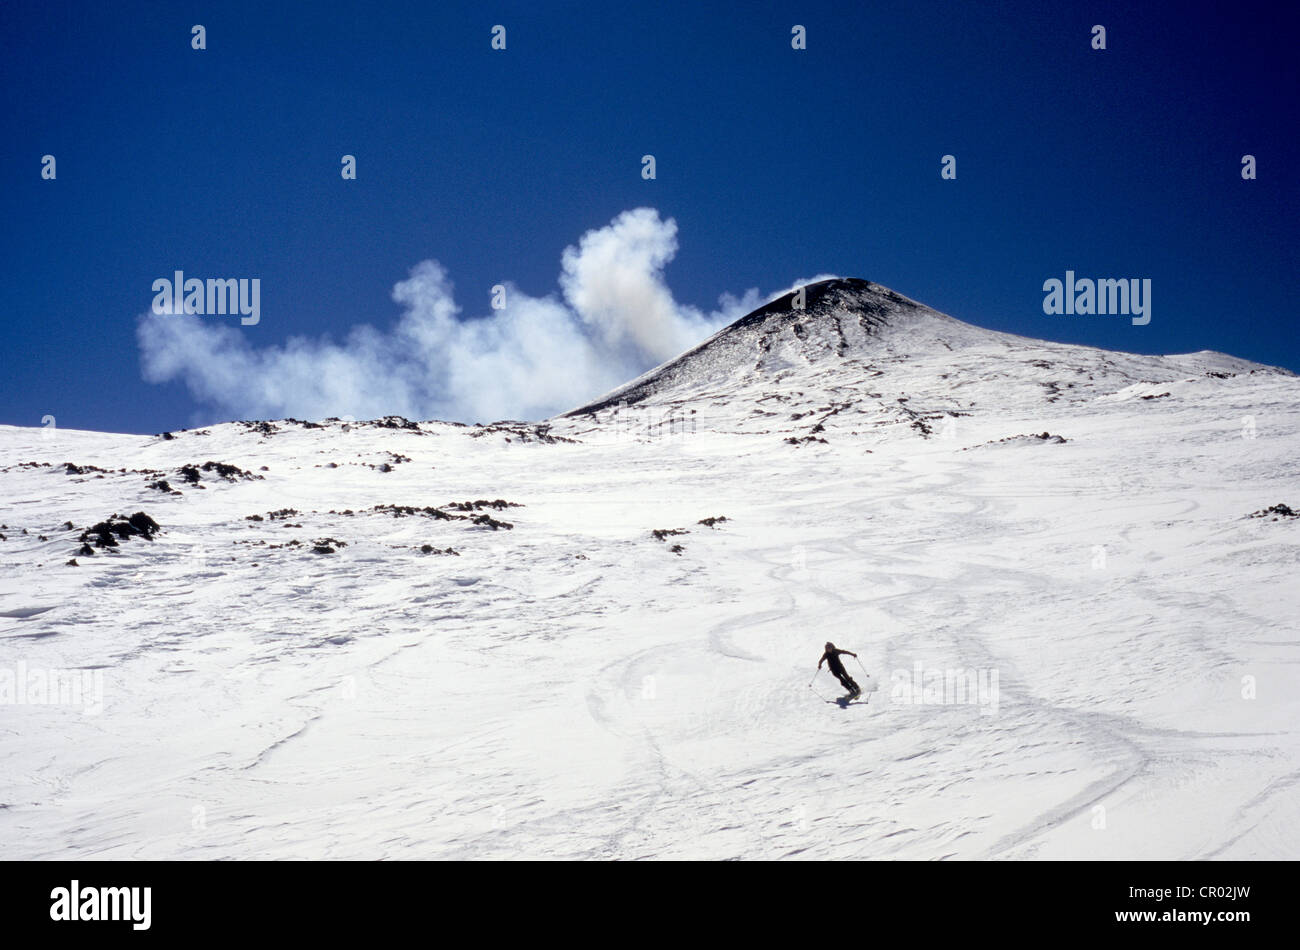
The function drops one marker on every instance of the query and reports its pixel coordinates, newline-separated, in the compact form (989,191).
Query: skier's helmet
(829,645)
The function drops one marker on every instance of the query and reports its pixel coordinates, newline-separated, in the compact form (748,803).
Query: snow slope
(572,687)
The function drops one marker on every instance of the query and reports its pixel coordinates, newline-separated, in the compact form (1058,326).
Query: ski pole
(865,672)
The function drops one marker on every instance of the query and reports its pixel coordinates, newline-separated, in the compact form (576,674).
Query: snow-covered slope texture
(595,637)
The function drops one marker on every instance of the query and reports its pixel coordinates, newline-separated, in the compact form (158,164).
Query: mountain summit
(841,319)
(869,356)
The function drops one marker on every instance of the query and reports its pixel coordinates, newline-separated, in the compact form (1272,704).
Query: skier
(832,659)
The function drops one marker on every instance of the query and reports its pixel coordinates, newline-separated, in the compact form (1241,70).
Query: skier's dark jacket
(832,659)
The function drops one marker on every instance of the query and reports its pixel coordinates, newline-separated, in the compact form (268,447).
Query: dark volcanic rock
(662,533)
(144,524)
(1275,512)
(395,422)
(401,511)
(107,533)
(497,505)
(230,473)
(1045,437)
(71,469)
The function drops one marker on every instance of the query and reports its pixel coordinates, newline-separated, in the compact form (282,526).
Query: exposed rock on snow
(106,533)
(1039,438)
(1275,512)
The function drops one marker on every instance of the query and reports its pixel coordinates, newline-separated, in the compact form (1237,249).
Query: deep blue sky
(776,164)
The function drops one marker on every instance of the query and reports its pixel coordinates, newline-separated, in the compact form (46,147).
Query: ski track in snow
(570,688)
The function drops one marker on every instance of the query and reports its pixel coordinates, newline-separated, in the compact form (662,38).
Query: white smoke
(534,358)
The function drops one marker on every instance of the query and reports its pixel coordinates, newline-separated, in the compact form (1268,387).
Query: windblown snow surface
(314,685)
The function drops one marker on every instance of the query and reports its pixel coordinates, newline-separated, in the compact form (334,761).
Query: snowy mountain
(877,358)
(1068,572)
